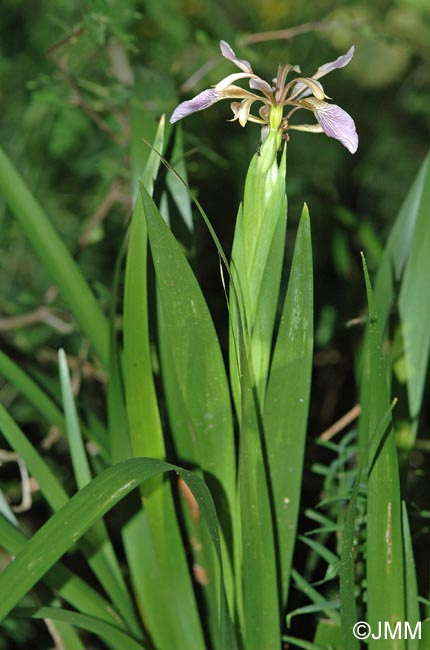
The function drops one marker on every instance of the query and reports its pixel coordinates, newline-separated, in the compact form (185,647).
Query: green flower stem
(257,257)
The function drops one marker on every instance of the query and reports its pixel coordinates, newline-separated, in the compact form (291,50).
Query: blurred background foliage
(71,75)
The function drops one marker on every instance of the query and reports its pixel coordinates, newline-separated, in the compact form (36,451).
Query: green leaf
(414,303)
(55,257)
(141,399)
(177,189)
(287,399)
(32,391)
(153,162)
(51,488)
(111,634)
(317,599)
(261,600)
(257,256)
(385,568)
(305,645)
(348,606)
(398,247)
(159,544)
(103,558)
(195,386)
(71,587)
(194,376)
(65,634)
(81,512)
(396,253)
(329,634)
(411,588)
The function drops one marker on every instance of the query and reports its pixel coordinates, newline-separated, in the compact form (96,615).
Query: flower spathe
(299,93)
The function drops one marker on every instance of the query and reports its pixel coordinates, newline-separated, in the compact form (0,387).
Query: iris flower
(298,93)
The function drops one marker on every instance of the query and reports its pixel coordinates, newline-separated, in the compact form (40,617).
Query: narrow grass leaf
(261,600)
(300,643)
(411,588)
(172,617)
(64,634)
(398,247)
(414,305)
(178,190)
(119,435)
(32,391)
(103,558)
(55,257)
(329,634)
(196,383)
(385,568)
(196,389)
(113,636)
(51,488)
(48,484)
(323,552)
(287,399)
(348,605)
(314,595)
(81,512)
(324,606)
(396,253)
(153,163)
(70,586)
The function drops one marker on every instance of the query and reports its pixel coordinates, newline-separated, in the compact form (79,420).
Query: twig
(291,32)
(192,81)
(77,99)
(41,314)
(343,422)
(48,355)
(26,482)
(113,195)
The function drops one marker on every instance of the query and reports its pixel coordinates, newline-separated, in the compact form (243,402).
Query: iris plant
(299,93)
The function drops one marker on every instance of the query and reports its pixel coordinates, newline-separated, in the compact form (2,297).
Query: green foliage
(230,550)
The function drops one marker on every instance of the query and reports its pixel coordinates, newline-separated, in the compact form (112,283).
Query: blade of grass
(49,486)
(202,425)
(397,249)
(41,401)
(104,555)
(195,386)
(348,605)
(172,618)
(32,391)
(313,595)
(55,257)
(299,643)
(80,513)
(261,600)
(102,629)
(411,588)
(70,586)
(177,189)
(414,305)
(287,399)
(390,270)
(64,635)
(385,569)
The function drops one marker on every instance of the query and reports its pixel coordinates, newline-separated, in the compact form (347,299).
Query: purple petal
(229,54)
(340,62)
(198,103)
(261,85)
(336,123)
